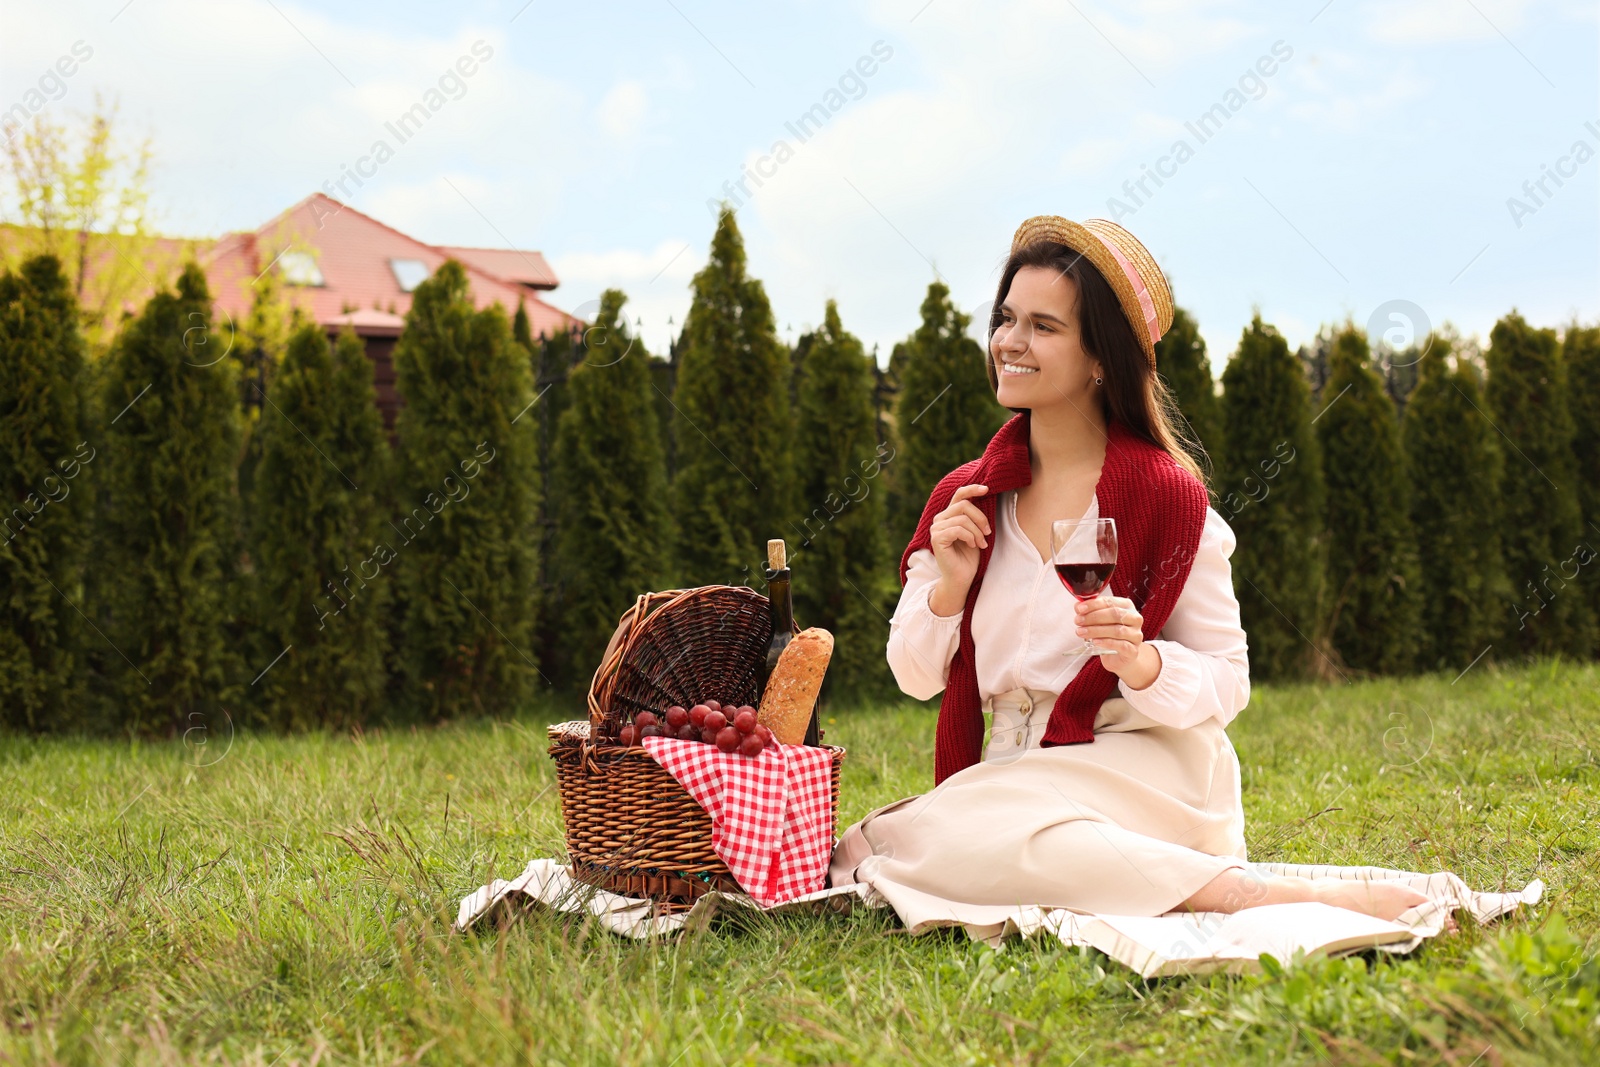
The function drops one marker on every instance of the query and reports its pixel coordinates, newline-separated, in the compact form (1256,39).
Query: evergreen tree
(168,544)
(321,588)
(521,330)
(1454,459)
(946,412)
(1314,360)
(609,494)
(898,498)
(1581,352)
(549,357)
(259,342)
(1372,565)
(466,499)
(844,578)
(1271,493)
(664,382)
(734,487)
(1543,526)
(1182,361)
(44,450)
(548,376)
(256,347)
(555,355)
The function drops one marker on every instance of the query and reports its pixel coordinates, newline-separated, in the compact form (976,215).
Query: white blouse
(1022,627)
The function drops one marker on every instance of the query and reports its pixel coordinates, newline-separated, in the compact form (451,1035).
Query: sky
(1365,159)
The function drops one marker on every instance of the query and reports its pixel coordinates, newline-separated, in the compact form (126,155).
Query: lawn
(278,901)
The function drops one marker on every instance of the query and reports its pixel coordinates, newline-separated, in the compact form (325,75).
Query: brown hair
(1134,394)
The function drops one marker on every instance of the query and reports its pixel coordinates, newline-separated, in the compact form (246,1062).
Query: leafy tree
(82,196)
(44,449)
(1271,493)
(321,588)
(467,494)
(734,487)
(1580,351)
(946,412)
(1182,361)
(1372,564)
(843,571)
(168,537)
(609,493)
(1454,459)
(1543,526)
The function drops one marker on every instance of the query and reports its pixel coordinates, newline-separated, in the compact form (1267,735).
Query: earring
(1099,380)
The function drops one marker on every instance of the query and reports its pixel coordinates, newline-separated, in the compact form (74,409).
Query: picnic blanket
(1171,944)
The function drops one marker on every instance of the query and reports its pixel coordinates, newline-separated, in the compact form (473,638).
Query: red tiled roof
(524,268)
(353,252)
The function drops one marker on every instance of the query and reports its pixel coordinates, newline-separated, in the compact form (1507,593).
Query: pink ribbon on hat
(1139,290)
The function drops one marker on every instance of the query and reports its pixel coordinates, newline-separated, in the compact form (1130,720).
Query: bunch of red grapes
(731,729)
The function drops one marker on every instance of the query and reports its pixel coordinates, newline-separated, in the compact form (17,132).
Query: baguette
(791,692)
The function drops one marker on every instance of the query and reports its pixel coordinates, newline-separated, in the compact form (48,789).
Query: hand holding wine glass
(1084,552)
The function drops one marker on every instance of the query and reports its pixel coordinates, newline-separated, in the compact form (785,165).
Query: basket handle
(621,640)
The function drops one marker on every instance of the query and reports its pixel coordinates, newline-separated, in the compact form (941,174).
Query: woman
(1105,783)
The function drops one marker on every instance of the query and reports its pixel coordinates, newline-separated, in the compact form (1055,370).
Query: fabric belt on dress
(1017,721)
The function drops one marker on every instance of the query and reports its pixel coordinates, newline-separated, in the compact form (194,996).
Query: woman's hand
(957,534)
(1113,623)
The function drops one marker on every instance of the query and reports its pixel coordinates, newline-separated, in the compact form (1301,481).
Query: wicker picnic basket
(631,828)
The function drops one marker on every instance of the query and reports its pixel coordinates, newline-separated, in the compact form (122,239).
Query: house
(344,268)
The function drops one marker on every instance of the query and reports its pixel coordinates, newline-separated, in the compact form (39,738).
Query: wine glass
(1084,552)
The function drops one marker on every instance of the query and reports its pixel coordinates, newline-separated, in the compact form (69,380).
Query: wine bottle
(780,603)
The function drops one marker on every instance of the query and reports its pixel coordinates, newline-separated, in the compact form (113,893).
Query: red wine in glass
(1084,580)
(1084,553)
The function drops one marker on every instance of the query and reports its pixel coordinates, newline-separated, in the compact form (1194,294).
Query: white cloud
(1411,22)
(671,261)
(1144,131)
(250,109)
(621,111)
(1021,100)
(656,281)
(1346,93)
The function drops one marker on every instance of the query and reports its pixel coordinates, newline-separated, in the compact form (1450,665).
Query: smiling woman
(1102,783)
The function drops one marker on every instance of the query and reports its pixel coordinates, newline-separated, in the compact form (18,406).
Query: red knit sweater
(1160,510)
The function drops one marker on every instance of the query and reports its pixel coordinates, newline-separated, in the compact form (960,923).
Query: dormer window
(409,273)
(300,268)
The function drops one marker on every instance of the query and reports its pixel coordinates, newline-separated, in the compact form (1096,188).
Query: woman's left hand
(1113,623)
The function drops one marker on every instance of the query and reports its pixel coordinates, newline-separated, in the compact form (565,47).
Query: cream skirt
(1133,824)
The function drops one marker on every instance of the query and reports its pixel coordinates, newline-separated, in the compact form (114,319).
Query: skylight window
(300,268)
(410,273)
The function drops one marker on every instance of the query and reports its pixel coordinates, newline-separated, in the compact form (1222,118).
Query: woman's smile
(1017,368)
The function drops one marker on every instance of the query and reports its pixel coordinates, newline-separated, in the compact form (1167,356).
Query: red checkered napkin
(771,815)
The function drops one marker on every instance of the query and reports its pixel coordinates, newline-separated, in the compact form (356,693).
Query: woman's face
(1037,349)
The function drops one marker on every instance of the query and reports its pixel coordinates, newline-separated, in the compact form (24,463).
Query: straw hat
(1130,268)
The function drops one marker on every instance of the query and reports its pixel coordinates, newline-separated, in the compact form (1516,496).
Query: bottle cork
(777,554)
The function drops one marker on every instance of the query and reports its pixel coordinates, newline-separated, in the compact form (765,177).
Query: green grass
(289,903)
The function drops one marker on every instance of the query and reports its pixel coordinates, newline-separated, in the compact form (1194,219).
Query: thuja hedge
(481,554)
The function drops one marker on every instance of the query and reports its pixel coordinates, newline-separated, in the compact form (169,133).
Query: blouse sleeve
(1205,665)
(921,644)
